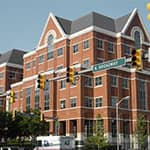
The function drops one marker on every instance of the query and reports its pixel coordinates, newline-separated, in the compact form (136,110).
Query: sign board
(109,64)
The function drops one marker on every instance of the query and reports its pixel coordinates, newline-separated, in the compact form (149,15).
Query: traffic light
(70,75)
(40,82)
(13,114)
(12,96)
(41,116)
(136,59)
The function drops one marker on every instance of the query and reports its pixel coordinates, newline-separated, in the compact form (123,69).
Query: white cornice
(14,65)
(29,78)
(11,65)
(3,64)
(89,29)
(29,54)
(129,20)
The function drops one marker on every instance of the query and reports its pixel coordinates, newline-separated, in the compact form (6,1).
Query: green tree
(24,125)
(98,140)
(5,124)
(141,131)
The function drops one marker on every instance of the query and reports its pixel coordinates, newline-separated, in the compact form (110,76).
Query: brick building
(11,71)
(88,40)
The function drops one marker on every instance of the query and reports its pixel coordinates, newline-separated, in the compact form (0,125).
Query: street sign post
(109,64)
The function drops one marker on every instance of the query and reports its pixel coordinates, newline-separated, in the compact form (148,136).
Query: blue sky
(22,21)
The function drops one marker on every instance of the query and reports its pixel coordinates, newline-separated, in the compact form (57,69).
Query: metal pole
(117,126)
(117,119)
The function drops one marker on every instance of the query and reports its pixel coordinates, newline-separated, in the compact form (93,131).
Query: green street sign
(109,64)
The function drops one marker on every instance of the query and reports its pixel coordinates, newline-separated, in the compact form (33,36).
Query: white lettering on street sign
(109,64)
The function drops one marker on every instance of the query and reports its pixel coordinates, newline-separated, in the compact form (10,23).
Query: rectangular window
(41,59)
(88,81)
(37,99)
(59,52)
(98,81)
(126,50)
(125,128)
(20,76)
(88,102)
(47,95)
(1,89)
(59,67)
(28,66)
(124,83)
(99,43)
(28,95)
(110,47)
(125,103)
(34,63)
(12,75)
(88,125)
(62,104)
(142,95)
(1,102)
(113,128)
(86,44)
(62,84)
(86,63)
(99,102)
(113,81)
(114,100)
(73,102)
(50,55)
(1,75)
(75,48)
(99,60)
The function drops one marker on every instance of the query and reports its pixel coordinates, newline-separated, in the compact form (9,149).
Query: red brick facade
(95,92)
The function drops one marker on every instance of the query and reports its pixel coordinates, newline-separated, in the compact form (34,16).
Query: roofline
(28,54)
(11,65)
(129,20)
(56,23)
(134,12)
(86,30)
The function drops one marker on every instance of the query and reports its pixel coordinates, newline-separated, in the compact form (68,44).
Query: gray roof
(13,56)
(93,19)
(65,24)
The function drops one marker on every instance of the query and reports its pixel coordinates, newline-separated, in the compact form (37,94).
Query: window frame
(100,103)
(86,44)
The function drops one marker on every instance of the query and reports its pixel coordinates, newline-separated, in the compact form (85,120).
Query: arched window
(50,44)
(137,40)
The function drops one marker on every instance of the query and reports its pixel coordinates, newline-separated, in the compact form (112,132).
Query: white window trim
(50,32)
(85,49)
(137,28)
(96,86)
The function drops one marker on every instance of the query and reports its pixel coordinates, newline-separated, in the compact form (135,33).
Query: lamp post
(117,118)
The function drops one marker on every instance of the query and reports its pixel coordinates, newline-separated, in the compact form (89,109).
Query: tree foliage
(98,140)
(141,131)
(24,125)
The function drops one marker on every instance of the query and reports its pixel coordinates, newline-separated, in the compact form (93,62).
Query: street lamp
(117,119)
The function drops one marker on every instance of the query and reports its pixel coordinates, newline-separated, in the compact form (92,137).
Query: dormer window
(50,46)
(50,42)
(137,40)
(138,36)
